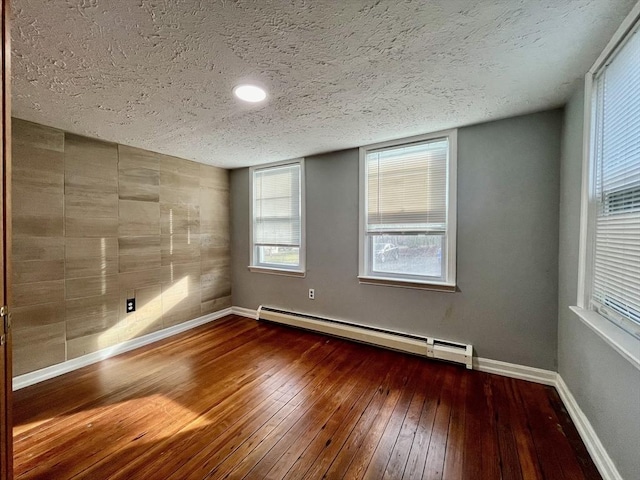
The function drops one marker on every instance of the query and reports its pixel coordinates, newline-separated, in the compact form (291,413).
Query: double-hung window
(610,256)
(408,212)
(277,212)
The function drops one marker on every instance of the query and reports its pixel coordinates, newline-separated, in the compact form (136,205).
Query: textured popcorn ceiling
(159,74)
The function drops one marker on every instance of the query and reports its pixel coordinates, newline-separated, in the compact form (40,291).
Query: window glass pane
(407,212)
(407,255)
(616,150)
(282,256)
(277,204)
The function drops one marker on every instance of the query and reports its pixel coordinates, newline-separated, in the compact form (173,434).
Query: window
(408,212)
(615,230)
(609,292)
(277,212)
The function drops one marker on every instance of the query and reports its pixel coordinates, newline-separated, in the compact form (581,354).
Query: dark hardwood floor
(243,399)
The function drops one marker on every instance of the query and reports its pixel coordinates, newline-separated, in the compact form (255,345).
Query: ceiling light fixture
(250,93)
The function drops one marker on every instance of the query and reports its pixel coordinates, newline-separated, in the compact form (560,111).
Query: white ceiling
(159,74)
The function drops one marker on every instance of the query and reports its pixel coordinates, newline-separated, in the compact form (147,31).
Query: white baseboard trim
(598,453)
(594,446)
(522,372)
(245,312)
(41,375)
(513,370)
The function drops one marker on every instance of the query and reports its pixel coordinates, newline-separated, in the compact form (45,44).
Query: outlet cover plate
(131,305)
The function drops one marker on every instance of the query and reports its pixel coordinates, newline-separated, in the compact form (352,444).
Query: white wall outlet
(312,294)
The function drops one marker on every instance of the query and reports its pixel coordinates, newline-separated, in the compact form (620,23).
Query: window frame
(365,275)
(254,264)
(615,331)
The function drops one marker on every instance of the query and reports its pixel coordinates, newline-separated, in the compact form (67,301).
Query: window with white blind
(610,263)
(277,212)
(407,212)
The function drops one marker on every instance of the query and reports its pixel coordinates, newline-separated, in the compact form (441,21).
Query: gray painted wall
(605,385)
(508,195)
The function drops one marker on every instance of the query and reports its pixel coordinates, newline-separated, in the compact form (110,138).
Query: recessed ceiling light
(250,93)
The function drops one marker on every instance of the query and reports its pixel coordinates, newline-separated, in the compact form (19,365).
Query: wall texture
(507,247)
(605,385)
(95,223)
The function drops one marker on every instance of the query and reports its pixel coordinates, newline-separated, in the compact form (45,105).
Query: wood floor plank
(406,437)
(122,433)
(227,405)
(296,409)
(107,388)
(338,453)
(368,453)
(419,448)
(202,446)
(571,433)
(138,426)
(296,461)
(389,458)
(301,387)
(555,455)
(491,461)
(104,380)
(219,451)
(284,453)
(434,464)
(244,399)
(507,445)
(522,433)
(386,398)
(481,459)
(453,460)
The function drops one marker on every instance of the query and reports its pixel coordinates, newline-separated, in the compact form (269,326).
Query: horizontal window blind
(276,206)
(407,188)
(616,271)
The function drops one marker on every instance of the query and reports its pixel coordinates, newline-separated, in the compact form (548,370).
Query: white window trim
(450,284)
(300,271)
(622,341)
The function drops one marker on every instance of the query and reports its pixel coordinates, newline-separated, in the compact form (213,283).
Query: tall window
(277,205)
(613,278)
(407,212)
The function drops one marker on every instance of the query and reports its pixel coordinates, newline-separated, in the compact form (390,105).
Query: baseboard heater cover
(425,346)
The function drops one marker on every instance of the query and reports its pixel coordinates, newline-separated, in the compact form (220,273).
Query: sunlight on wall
(146,315)
(188,226)
(174,295)
(171,232)
(103,254)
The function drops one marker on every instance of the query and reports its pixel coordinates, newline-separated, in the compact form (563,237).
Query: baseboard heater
(425,346)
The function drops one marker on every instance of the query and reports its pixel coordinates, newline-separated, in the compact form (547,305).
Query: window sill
(623,342)
(388,282)
(277,271)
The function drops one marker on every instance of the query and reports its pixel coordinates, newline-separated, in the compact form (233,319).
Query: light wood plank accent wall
(95,223)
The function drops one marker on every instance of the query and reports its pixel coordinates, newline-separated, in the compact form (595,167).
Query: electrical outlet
(312,294)
(131,305)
